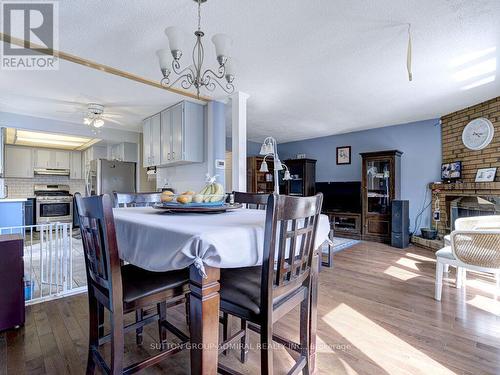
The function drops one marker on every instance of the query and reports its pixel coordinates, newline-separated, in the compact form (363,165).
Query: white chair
(474,245)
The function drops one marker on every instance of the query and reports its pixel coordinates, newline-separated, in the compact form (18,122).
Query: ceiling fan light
(87,121)
(175,40)
(98,123)
(222,43)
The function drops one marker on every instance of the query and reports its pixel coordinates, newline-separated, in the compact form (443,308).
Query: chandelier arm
(187,81)
(207,72)
(228,89)
(209,85)
(176,67)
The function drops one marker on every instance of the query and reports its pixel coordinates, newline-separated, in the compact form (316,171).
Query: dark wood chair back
(102,261)
(251,200)
(136,199)
(290,233)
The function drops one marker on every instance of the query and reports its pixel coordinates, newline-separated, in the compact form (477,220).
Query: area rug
(340,244)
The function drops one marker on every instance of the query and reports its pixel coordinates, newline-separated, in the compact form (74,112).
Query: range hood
(51,172)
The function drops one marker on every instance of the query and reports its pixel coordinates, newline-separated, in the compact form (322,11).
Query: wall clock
(478,134)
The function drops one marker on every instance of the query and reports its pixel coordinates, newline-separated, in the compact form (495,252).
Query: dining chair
(121,290)
(474,245)
(135,199)
(145,200)
(251,200)
(262,295)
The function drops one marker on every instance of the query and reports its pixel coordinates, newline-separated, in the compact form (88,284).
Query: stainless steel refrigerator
(107,176)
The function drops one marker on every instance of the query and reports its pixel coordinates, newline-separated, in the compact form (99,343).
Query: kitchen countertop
(5,200)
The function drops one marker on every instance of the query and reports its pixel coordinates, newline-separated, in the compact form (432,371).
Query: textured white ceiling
(312,68)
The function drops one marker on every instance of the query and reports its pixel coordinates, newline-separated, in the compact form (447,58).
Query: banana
(204,190)
(219,191)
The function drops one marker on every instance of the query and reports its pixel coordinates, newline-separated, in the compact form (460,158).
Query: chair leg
(117,341)
(162,316)
(266,349)
(461,277)
(304,332)
(244,341)
(225,323)
(439,281)
(139,315)
(93,334)
(446,268)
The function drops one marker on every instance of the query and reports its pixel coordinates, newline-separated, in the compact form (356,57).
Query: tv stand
(345,224)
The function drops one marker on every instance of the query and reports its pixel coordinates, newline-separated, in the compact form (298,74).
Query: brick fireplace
(453,149)
(450,193)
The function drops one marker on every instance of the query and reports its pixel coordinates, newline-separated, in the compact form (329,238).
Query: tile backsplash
(23,187)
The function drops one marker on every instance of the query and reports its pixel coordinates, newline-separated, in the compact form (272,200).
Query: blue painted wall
(421,162)
(253,148)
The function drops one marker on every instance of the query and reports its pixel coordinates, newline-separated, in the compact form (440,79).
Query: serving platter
(201,208)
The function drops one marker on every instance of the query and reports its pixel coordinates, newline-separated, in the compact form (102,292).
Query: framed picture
(343,155)
(486,174)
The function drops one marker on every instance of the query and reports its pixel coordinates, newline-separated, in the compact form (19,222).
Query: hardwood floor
(377,315)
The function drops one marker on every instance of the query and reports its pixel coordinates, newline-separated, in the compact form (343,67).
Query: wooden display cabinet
(259,182)
(381,184)
(303,182)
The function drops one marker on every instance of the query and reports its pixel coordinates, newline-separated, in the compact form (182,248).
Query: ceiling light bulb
(98,123)
(87,121)
(287,176)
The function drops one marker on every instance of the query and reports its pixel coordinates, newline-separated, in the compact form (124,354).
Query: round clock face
(478,134)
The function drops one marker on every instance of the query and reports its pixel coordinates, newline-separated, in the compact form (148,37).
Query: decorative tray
(212,207)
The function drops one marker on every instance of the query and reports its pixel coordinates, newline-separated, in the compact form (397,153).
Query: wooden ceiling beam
(97,66)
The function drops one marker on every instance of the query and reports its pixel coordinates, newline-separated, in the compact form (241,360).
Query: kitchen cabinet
(18,162)
(182,134)
(125,151)
(45,158)
(76,166)
(61,159)
(151,140)
(12,214)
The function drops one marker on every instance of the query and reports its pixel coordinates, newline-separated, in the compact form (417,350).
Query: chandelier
(194,75)
(93,116)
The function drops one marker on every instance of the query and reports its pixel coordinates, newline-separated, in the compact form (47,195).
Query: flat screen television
(341,196)
(451,171)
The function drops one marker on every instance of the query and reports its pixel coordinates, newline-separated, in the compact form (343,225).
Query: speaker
(400,216)
(400,236)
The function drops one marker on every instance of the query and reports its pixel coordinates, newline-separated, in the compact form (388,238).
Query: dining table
(160,240)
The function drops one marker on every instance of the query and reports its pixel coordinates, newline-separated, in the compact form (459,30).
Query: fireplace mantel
(479,187)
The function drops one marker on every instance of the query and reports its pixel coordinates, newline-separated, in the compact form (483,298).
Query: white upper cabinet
(76,165)
(124,151)
(175,136)
(52,159)
(18,162)
(43,158)
(61,159)
(151,141)
(182,134)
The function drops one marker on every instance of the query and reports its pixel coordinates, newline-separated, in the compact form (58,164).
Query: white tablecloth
(159,241)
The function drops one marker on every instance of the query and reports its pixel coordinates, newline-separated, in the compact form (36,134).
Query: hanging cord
(418,218)
(408,55)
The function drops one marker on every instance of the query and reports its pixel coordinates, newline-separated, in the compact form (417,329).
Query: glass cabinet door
(378,185)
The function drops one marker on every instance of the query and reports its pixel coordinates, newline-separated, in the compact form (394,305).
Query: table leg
(313,317)
(204,320)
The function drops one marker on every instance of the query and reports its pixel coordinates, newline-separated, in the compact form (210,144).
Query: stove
(54,204)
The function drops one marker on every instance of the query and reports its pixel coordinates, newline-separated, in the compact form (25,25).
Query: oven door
(54,211)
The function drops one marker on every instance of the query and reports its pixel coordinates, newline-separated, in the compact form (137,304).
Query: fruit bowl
(194,200)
